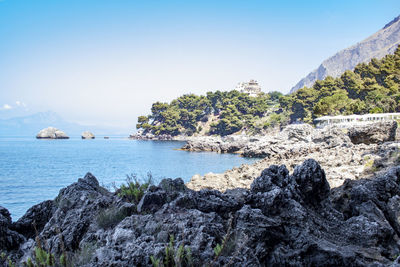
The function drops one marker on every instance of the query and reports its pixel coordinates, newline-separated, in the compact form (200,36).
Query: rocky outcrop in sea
(51,133)
(283,219)
(87,135)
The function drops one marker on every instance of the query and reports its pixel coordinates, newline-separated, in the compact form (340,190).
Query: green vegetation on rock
(369,88)
(190,114)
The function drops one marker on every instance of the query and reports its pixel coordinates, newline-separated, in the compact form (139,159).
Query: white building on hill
(252,88)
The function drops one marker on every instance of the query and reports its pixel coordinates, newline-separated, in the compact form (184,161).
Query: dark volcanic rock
(37,216)
(157,196)
(283,220)
(311,182)
(9,239)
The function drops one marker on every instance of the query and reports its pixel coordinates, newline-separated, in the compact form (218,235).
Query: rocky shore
(282,220)
(162,137)
(350,153)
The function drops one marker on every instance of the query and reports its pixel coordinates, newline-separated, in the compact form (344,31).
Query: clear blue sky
(105,62)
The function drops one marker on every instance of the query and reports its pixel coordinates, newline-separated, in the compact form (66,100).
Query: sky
(105,62)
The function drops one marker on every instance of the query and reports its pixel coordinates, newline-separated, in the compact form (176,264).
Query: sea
(33,170)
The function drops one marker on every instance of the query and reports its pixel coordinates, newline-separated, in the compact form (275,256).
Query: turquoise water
(32,170)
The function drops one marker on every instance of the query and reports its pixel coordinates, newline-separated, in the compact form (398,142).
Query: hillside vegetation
(378,45)
(222,112)
(369,88)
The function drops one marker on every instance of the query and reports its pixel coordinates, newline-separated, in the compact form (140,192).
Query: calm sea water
(34,170)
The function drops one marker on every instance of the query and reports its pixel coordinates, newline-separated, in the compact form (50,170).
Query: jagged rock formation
(87,135)
(282,220)
(51,133)
(383,42)
(9,239)
(343,153)
(227,144)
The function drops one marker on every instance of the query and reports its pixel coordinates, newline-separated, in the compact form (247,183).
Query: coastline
(304,221)
(341,157)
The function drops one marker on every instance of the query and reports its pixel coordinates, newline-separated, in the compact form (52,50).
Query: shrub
(133,191)
(179,257)
(84,255)
(109,218)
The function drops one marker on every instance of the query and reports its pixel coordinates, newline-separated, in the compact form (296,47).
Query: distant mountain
(30,125)
(383,42)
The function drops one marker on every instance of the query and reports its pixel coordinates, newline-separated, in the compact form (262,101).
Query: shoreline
(340,151)
(304,221)
(293,205)
(342,157)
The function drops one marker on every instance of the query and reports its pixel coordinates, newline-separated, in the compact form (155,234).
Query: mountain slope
(383,42)
(32,124)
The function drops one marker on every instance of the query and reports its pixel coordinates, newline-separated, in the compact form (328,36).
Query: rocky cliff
(383,42)
(282,220)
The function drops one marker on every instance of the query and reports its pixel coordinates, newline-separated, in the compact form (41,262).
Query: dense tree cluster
(370,88)
(233,112)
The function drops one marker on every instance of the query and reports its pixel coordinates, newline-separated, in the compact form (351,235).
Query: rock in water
(51,133)
(87,135)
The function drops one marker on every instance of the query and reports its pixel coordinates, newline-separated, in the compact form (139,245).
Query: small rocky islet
(54,133)
(51,133)
(283,219)
(87,135)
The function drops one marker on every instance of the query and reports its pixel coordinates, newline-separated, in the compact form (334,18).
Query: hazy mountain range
(383,42)
(30,125)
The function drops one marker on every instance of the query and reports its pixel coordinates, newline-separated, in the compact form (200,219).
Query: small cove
(32,170)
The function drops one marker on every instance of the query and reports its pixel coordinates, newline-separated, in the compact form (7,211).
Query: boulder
(205,143)
(87,135)
(298,132)
(373,133)
(311,182)
(51,133)
(331,136)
